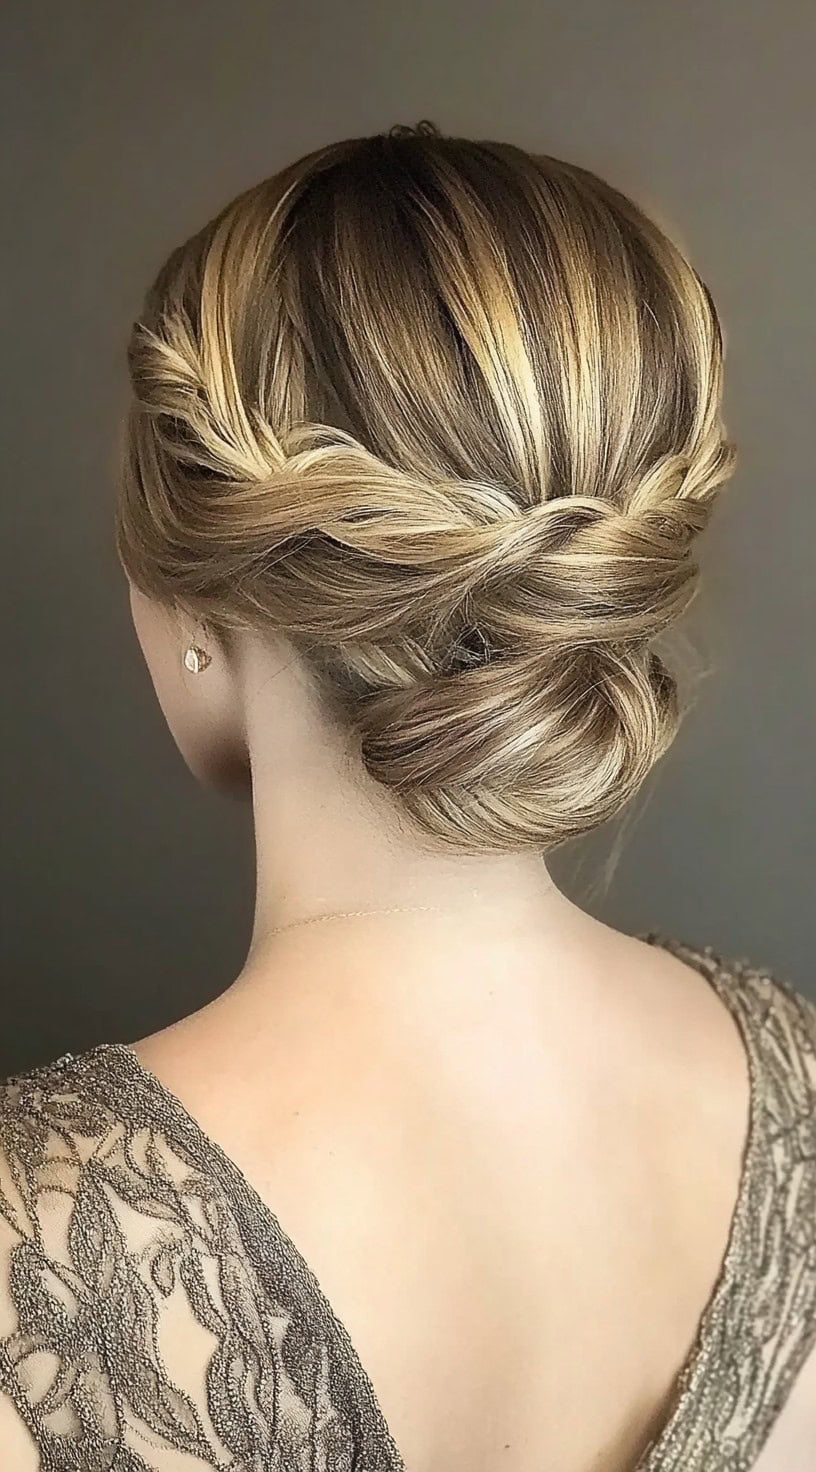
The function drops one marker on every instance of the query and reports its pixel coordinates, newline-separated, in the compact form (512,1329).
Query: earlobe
(196,656)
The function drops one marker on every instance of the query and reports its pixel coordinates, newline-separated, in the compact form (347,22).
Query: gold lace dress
(154,1316)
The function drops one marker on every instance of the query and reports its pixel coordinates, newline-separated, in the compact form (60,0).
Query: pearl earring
(196,659)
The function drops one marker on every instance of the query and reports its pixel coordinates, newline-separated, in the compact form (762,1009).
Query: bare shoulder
(677,1014)
(760,997)
(722,1035)
(699,979)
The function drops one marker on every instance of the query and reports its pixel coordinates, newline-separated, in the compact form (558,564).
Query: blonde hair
(446,415)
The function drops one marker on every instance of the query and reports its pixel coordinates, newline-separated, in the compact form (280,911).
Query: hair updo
(447,416)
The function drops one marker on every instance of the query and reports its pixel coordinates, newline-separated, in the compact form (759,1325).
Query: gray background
(127,891)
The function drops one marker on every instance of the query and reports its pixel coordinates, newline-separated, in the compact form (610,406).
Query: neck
(327,847)
(329,840)
(321,853)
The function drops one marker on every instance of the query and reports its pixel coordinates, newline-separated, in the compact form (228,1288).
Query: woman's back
(521,1254)
(422,434)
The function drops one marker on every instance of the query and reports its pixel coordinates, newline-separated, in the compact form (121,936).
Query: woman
(453,1177)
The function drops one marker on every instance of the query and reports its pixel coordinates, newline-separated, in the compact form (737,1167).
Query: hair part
(448,416)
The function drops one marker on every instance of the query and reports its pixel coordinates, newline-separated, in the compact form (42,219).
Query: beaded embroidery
(124,1219)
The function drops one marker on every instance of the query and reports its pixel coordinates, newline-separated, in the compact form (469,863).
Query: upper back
(151,1305)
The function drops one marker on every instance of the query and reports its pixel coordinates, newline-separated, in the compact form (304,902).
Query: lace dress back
(155,1317)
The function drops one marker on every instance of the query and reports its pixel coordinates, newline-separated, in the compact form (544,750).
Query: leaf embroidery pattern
(162,1319)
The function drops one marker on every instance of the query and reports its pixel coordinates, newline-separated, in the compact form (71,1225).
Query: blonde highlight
(448,416)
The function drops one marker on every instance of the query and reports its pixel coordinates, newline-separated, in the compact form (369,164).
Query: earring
(196,659)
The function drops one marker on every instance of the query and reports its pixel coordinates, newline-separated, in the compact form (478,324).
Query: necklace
(348,914)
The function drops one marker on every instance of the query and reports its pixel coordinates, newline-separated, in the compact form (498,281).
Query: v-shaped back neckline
(666,1451)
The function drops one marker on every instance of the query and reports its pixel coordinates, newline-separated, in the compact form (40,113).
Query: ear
(200,697)
(215,747)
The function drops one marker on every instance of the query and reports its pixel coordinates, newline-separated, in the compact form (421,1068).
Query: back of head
(447,416)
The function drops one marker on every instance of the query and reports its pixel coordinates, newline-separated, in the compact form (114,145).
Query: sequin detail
(126,1231)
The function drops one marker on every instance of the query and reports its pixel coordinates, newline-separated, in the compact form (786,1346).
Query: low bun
(511,755)
(472,523)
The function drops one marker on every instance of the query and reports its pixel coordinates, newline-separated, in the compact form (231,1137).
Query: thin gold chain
(347,914)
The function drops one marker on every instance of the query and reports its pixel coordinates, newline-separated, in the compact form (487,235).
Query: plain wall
(127,891)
